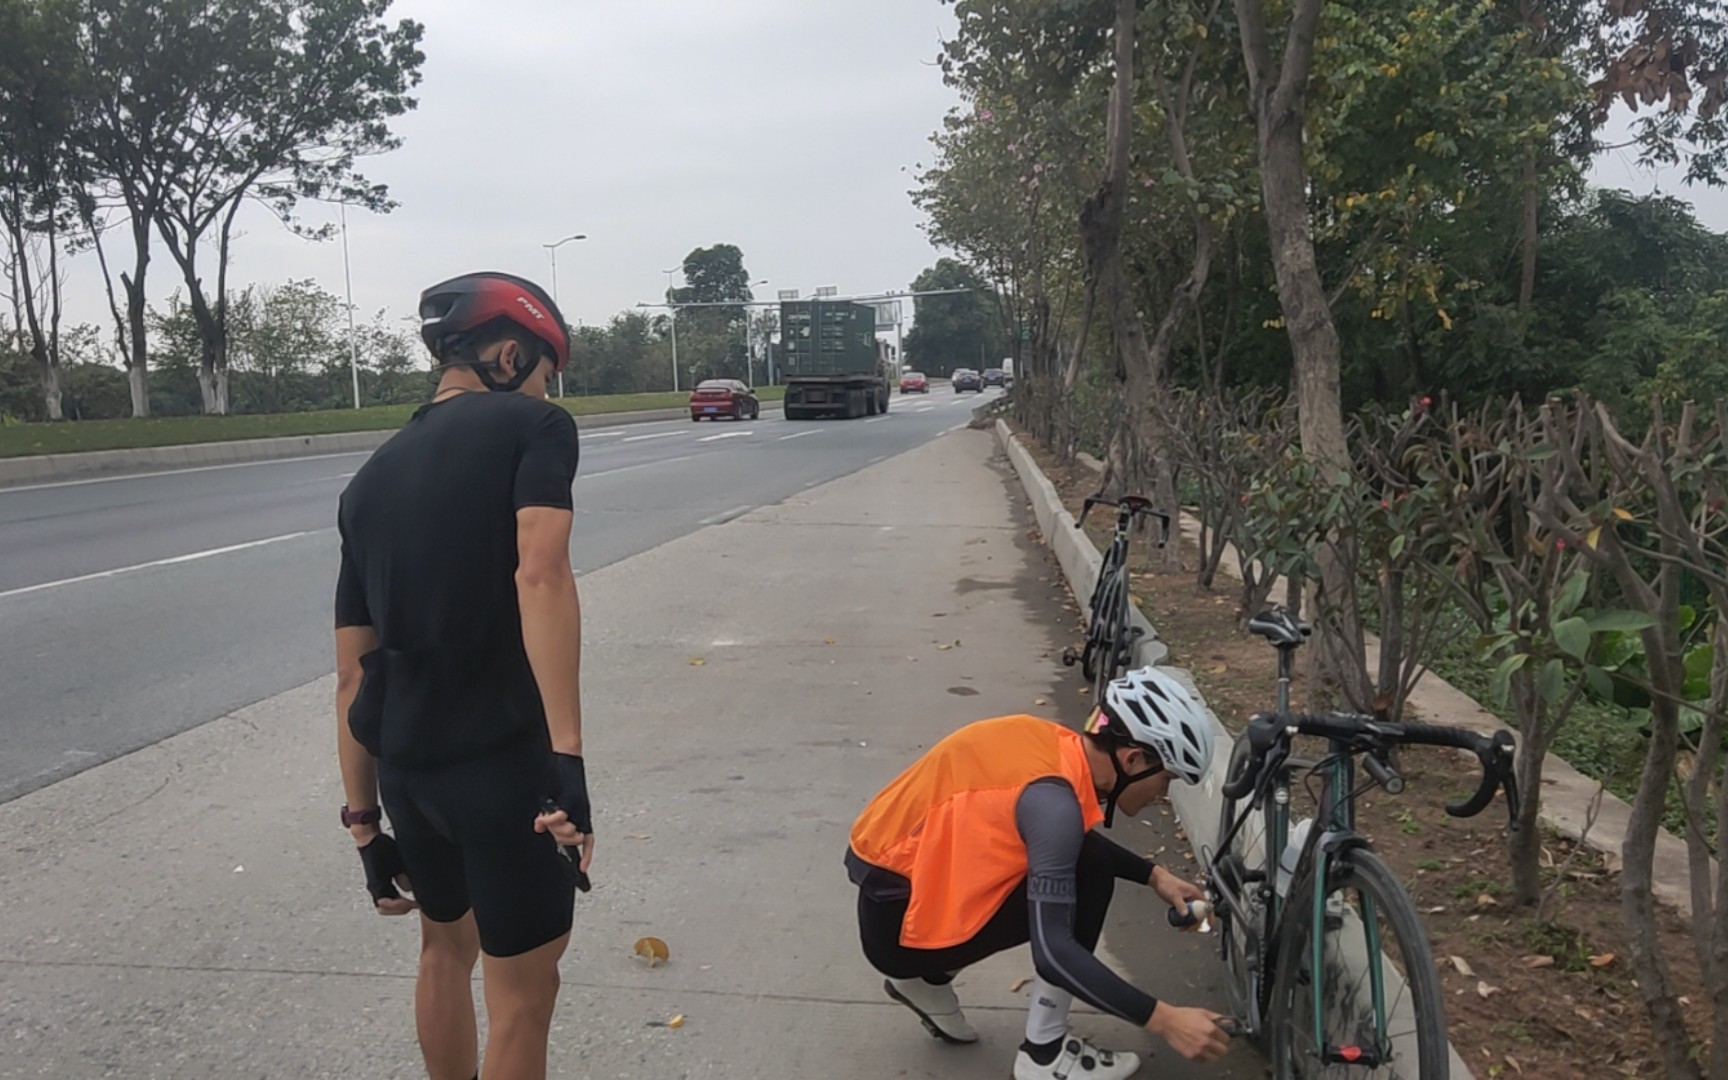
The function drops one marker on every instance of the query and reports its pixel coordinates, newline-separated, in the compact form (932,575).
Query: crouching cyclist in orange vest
(988,842)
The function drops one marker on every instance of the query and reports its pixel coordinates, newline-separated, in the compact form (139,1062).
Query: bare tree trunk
(1279,99)
(1535,738)
(137,308)
(1527,246)
(1101,240)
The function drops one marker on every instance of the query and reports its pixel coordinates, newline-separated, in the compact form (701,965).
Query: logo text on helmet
(532,310)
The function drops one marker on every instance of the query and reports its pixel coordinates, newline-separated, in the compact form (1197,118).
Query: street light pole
(673,312)
(749,360)
(348,288)
(553,248)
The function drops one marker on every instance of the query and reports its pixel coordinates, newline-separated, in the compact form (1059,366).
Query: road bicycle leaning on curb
(1326,959)
(1110,634)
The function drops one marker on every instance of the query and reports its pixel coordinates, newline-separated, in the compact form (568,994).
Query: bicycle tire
(1416,1016)
(1107,658)
(1249,856)
(1096,606)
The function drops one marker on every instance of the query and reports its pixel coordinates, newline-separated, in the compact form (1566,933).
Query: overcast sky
(791,128)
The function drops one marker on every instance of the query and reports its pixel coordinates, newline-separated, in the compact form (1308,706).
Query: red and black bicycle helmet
(454,308)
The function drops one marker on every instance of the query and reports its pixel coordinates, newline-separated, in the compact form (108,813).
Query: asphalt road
(136,607)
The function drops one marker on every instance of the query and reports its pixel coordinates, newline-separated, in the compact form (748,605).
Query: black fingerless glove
(383,863)
(570,791)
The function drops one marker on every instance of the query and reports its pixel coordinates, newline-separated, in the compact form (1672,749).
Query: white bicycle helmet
(1151,710)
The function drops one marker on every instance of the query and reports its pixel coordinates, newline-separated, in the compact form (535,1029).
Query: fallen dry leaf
(1538,961)
(1512,1061)
(1084,690)
(827,641)
(1601,960)
(676,1021)
(943,648)
(1485,900)
(1039,701)
(1463,967)
(1435,910)
(697,661)
(653,950)
(1485,990)
(1019,984)
(638,836)
(1218,669)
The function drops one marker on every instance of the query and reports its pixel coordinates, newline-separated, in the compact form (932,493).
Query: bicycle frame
(1313,870)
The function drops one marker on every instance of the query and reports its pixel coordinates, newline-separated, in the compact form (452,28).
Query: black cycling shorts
(467,836)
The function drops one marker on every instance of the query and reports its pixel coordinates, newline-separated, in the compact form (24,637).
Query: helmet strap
(1124,780)
(483,369)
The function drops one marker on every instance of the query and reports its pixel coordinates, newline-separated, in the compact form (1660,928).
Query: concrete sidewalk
(192,910)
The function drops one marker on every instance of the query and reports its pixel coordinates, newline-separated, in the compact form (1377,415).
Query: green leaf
(1600,684)
(1551,684)
(1497,683)
(1627,621)
(1573,635)
(1397,546)
(1571,594)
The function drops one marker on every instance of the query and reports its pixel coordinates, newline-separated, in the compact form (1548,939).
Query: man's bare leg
(521,993)
(444,998)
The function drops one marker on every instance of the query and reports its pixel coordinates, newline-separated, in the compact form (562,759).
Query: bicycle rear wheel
(1368,916)
(1108,658)
(1243,870)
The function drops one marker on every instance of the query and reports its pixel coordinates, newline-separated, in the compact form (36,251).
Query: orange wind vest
(947,823)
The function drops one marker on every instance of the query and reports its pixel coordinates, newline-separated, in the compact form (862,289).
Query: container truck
(831,365)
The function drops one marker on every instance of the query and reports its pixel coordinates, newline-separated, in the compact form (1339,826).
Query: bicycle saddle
(1280,627)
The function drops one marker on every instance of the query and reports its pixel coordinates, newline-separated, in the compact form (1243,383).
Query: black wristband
(570,790)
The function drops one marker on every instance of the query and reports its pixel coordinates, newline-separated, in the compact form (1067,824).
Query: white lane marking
(600,434)
(799,434)
(179,472)
(722,518)
(638,465)
(727,435)
(193,557)
(926,408)
(661,435)
(875,419)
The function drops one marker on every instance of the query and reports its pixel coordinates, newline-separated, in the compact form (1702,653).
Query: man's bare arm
(359,769)
(551,619)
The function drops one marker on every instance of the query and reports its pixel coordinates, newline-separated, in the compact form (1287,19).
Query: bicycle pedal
(1136,631)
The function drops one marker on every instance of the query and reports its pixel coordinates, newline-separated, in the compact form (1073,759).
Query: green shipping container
(825,338)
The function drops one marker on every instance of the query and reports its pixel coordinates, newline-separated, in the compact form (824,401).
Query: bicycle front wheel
(1372,1008)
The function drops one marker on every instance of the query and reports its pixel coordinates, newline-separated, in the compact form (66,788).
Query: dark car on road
(714,398)
(965,379)
(914,382)
(995,377)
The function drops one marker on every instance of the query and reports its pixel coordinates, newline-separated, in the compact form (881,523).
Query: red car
(914,382)
(714,398)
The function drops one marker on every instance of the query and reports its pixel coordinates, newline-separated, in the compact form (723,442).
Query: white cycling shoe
(937,1006)
(1078,1060)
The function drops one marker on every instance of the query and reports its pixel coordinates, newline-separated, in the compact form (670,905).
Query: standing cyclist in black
(458,653)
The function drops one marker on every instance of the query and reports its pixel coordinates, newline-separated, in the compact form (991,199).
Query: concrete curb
(50,468)
(1197,806)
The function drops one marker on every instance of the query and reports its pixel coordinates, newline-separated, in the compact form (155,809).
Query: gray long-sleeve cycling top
(1048,817)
